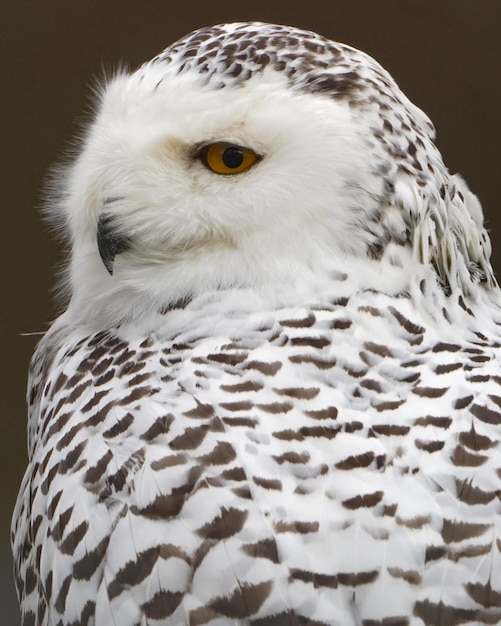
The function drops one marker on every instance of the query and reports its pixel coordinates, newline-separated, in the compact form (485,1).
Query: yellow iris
(227,158)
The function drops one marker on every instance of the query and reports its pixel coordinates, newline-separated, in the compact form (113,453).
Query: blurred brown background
(444,54)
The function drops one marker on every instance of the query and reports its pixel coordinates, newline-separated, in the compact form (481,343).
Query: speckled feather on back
(274,398)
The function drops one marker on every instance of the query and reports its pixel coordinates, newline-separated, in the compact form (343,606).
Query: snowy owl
(274,398)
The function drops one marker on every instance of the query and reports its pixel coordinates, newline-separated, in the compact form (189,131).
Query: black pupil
(233,157)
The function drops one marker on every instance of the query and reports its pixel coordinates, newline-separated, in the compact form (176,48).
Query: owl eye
(227,158)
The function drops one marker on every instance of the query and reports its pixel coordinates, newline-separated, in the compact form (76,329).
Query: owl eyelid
(201,148)
(207,144)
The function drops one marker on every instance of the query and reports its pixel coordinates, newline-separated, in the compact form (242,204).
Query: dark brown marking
(48,479)
(162,507)
(242,492)
(124,356)
(268,483)
(120,427)
(76,392)
(321,364)
(389,510)
(276,407)
(479,378)
(363,501)
(360,578)
(340,324)
(102,366)
(60,382)
(300,393)
(305,322)
(430,392)
(474,441)
(30,580)
(486,415)
(432,420)
(429,446)
(242,387)
(201,411)
(161,426)
(356,371)
(168,461)
(166,506)
(466,492)
(389,405)
(352,427)
(163,604)
(264,549)
(98,395)
(407,324)
(410,576)
(68,437)
(51,509)
(59,527)
(446,347)
(134,572)
(190,439)
(449,367)
(300,528)
(60,603)
(415,523)
(292,457)
(313,342)
(484,595)
(86,567)
(230,522)
(390,430)
(136,394)
(462,403)
(105,378)
(469,552)
(433,613)
(370,310)
(201,616)
(242,405)
(378,349)
(233,358)
(371,384)
(329,432)
(72,457)
(433,553)
(222,454)
(117,481)
(268,369)
(70,543)
(495,399)
(249,422)
(322,414)
(354,462)
(286,619)
(398,620)
(244,602)
(59,424)
(94,473)
(454,531)
(317,580)
(462,457)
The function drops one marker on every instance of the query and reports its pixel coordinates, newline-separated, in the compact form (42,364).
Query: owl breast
(281,464)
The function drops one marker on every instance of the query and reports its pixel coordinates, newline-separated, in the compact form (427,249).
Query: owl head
(248,155)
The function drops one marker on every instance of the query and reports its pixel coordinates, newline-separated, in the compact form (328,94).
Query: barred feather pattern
(266,467)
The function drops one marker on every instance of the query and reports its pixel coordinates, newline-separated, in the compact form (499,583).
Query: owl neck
(139,292)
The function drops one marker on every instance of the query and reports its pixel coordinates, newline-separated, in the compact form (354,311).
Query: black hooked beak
(109,242)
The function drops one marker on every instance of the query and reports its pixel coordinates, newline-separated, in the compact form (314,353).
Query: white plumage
(274,397)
